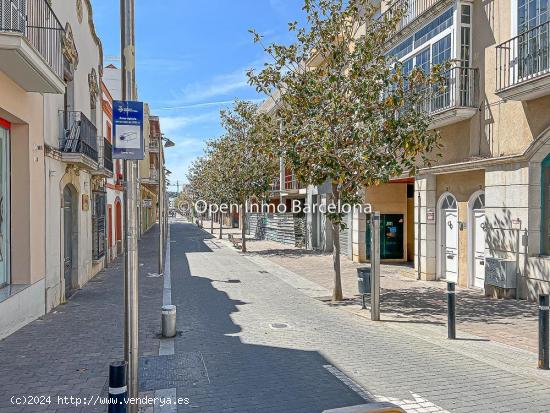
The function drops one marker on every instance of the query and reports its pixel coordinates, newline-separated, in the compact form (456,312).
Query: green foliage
(350,115)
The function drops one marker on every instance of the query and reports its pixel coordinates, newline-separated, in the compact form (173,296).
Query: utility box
(363,280)
(500,277)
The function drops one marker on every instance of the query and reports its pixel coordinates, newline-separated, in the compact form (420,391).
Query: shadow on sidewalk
(220,372)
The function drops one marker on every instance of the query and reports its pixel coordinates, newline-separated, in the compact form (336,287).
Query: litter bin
(363,280)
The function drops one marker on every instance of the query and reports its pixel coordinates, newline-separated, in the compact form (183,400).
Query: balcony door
(4,207)
(533,39)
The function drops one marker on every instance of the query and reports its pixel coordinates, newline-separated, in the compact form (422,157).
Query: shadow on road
(227,373)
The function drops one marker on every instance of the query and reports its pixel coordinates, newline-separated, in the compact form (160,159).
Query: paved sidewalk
(255,337)
(67,352)
(406,300)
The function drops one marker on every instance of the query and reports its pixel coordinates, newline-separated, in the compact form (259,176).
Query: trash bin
(363,280)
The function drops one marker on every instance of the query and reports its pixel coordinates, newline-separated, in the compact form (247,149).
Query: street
(252,338)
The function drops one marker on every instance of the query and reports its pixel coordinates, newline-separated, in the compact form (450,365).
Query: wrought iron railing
(107,155)
(524,57)
(154,144)
(153,174)
(78,135)
(290,183)
(460,89)
(413,9)
(36,21)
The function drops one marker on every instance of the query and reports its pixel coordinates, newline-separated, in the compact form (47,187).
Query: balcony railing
(524,57)
(291,183)
(413,10)
(78,135)
(154,145)
(460,90)
(36,21)
(153,174)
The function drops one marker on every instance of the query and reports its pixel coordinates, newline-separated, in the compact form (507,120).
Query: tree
(350,113)
(247,165)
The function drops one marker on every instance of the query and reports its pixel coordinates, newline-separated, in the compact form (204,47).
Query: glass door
(4,207)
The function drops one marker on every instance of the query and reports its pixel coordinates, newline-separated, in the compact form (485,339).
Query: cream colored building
(482,211)
(50,112)
(76,164)
(481,215)
(149,171)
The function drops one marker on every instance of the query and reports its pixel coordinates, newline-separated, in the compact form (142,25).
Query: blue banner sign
(128,130)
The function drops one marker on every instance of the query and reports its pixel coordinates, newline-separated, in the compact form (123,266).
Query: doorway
(448,238)
(118,226)
(70,239)
(477,237)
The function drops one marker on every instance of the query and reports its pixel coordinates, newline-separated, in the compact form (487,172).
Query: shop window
(391,236)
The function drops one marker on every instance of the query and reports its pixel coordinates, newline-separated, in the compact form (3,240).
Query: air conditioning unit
(500,272)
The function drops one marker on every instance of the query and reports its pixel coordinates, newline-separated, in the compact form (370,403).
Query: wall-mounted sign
(128,130)
(147,203)
(430,214)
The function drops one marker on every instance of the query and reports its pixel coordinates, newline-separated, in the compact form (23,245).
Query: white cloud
(174,124)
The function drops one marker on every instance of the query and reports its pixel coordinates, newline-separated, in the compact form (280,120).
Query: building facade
(113,186)
(76,161)
(480,216)
(149,171)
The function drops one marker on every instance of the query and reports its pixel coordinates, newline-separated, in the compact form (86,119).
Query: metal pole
(419,238)
(282,171)
(543,332)
(375,266)
(451,311)
(160,212)
(131,341)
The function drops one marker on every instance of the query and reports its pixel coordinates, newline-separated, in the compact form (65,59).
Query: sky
(191,59)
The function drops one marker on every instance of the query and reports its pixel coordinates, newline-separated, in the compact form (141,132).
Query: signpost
(375,266)
(128,130)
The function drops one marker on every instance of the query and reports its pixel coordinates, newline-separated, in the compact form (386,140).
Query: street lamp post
(131,351)
(163,221)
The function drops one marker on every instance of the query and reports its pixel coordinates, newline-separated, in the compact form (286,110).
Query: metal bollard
(451,311)
(543,332)
(169,321)
(118,392)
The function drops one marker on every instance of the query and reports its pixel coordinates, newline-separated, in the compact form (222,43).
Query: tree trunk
(211,223)
(221,224)
(337,294)
(243,229)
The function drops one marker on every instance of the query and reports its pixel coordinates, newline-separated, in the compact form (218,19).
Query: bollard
(118,392)
(451,311)
(169,321)
(543,331)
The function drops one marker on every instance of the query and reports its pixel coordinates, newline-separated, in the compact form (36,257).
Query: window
(449,202)
(4,207)
(533,41)
(545,236)
(98,224)
(422,60)
(402,49)
(433,28)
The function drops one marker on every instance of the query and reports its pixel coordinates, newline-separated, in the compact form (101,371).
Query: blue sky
(192,55)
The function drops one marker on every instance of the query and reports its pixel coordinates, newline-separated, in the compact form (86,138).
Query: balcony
(30,45)
(154,145)
(458,101)
(291,186)
(523,65)
(416,10)
(152,179)
(78,141)
(105,163)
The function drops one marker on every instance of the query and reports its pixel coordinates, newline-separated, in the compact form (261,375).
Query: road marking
(165,406)
(167,345)
(417,405)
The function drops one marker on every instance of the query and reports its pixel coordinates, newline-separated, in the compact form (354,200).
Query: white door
(479,248)
(450,245)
